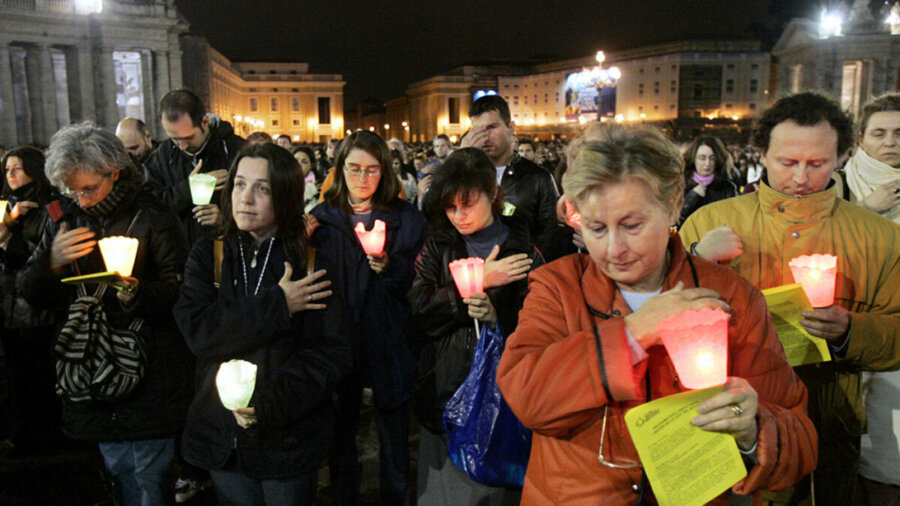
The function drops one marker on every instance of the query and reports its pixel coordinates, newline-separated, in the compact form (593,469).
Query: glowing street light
(829,24)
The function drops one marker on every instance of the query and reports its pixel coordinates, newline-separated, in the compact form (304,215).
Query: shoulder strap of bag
(310,260)
(218,256)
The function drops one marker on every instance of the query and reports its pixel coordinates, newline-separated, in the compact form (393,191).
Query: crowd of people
(586,247)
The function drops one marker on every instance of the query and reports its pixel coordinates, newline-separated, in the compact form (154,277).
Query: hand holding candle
(697,343)
(817,274)
(373,240)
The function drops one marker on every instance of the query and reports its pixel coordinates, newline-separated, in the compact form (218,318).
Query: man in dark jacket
(528,187)
(197,143)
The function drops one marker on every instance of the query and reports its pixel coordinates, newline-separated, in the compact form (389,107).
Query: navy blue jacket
(376,302)
(300,358)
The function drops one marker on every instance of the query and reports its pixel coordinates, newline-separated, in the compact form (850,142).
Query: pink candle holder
(697,343)
(573,217)
(468,274)
(817,274)
(373,240)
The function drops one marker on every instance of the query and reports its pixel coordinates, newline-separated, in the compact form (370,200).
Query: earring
(673,231)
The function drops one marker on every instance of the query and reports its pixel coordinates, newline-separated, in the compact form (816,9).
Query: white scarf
(865,173)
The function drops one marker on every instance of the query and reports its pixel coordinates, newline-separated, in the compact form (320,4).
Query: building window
(754,66)
(295,104)
(453,106)
(252,90)
(730,66)
(273,103)
(640,108)
(324,110)
(535,100)
(656,88)
(274,90)
(752,106)
(129,83)
(655,107)
(254,104)
(275,122)
(671,107)
(557,97)
(729,86)
(295,122)
(295,90)
(641,89)
(698,91)
(728,106)
(754,85)
(546,98)
(641,71)
(525,99)
(656,70)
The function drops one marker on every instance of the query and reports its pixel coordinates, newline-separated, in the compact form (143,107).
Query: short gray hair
(88,148)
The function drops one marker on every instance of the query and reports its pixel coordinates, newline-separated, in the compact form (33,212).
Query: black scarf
(123,190)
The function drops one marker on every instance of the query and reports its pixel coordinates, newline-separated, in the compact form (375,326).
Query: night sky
(381,47)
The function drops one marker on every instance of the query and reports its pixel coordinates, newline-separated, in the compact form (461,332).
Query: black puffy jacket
(442,322)
(531,189)
(156,409)
(166,173)
(300,358)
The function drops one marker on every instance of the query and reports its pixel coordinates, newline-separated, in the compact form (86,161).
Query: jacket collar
(797,209)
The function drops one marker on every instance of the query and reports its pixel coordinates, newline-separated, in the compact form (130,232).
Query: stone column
(162,86)
(9,135)
(107,108)
(48,92)
(148,84)
(175,76)
(33,82)
(88,111)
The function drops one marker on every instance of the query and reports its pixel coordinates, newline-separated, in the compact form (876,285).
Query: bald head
(136,137)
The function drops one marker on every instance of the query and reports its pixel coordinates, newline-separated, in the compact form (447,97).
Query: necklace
(261,272)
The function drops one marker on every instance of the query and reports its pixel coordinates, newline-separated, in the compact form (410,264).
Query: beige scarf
(865,173)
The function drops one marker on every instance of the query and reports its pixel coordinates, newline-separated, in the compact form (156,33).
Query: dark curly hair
(805,109)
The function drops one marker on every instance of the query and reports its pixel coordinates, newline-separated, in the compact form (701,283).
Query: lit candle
(817,274)
(697,343)
(202,188)
(119,253)
(235,382)
(468,274)
(3,205)
(373,240)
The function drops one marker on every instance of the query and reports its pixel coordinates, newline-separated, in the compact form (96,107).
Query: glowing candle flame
(119,253)
(697,343)
(817,274)
(468,274)
(373,240)
(202,188)
(235,381)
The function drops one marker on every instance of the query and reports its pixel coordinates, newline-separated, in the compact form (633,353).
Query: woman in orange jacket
(586,349)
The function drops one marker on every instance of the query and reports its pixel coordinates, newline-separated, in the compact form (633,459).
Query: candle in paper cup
(202,188)
(468,274)
(3,205)
(235,382)
(697,343)
(372,240)
(573,217)
(817,274)
(118,253)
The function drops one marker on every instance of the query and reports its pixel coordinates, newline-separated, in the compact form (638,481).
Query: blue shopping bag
(486,440)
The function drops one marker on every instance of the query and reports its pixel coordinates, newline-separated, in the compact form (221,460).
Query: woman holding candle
(28,332)
(587,347)
(374,286)
(707,165)
(468,222)
(135,433)
(267,310)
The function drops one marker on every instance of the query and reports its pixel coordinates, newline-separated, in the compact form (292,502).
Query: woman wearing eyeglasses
(135,433)
(586,348)
(374,286)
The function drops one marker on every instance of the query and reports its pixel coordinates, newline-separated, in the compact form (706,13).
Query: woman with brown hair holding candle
(374,285)
(586,349)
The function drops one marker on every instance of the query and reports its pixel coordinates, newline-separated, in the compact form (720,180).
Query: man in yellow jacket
(797,212)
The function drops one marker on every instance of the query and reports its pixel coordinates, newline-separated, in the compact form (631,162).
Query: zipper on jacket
(234,442)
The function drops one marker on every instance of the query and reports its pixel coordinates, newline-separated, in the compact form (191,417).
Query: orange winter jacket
(563,365)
